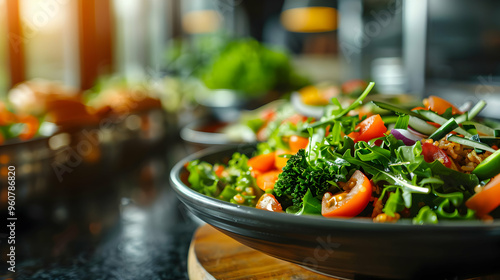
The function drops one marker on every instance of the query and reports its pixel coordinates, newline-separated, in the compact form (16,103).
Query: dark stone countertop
(128,225)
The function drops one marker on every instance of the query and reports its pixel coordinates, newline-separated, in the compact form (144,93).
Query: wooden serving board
(214,255)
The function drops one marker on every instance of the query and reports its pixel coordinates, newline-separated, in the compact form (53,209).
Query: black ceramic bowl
(348,248)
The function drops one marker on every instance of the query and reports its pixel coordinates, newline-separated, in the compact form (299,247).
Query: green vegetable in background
(252,69)
(190,58)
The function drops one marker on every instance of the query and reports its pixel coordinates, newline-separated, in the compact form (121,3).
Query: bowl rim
(15,142)
(313,221)
(190,133)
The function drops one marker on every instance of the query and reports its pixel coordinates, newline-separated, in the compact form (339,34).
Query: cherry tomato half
(219,170)
(432,153)
(439,105)
(268,115)
(268,202)
(266,181)
(487,199)
(262,163)
(280,160)
(348,204)
(297,142)
(295,119)
(371,127)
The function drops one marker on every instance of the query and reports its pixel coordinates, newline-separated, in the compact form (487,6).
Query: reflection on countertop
(128,225)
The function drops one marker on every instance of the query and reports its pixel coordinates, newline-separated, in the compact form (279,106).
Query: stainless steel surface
(414,43)
(350,27)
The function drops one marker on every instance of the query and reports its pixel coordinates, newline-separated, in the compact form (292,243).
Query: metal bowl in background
(29,160)
(210,132)
(223,104)
(90,153)
(348,248)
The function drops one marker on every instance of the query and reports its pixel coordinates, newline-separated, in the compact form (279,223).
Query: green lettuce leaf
(310,206)
(425,216)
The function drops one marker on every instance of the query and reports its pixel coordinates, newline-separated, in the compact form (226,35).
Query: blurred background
(99,98)
(405,46)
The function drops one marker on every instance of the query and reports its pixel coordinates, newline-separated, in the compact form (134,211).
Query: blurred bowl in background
(223,104)
(209,132)
(73,162)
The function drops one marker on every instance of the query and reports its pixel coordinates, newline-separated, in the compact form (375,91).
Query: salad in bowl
(425,165)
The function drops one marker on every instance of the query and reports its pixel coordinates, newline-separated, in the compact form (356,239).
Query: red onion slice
(406,136)
(414,132)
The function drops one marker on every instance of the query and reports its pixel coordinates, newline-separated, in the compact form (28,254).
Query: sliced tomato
(327,130)
(487,199)
(371,127)
(268,115)
(266,181)
(219,170)
(353,135)
(295,119)
(268,202)
(348,204)
(263,132)
(255,173)
(419,108)
(279,160)
(439,105)
(432,153)
(364,112)
(434,124)
(297,142)
(262,163)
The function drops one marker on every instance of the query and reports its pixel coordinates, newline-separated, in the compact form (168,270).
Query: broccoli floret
(299,175)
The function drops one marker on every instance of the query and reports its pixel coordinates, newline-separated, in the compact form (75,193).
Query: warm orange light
(310,19)
(204,21)
(4,159)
